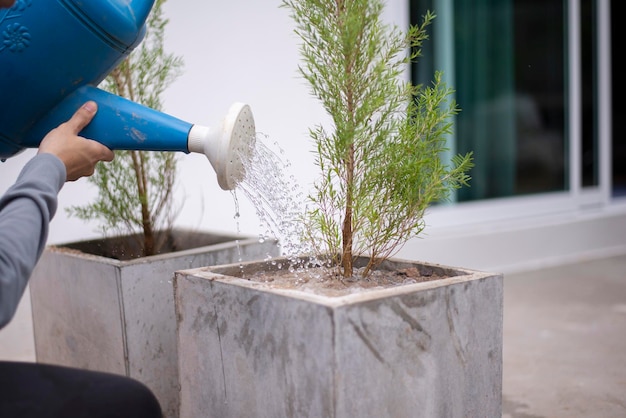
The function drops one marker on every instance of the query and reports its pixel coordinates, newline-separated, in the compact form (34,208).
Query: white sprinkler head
(227,147)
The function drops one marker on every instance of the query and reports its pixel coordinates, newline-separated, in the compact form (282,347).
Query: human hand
(5,4)
(80,155)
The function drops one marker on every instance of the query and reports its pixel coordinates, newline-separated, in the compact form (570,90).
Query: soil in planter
(305,275)
(128,247)
(327,281)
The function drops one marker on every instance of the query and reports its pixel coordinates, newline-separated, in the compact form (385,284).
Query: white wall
(244,51)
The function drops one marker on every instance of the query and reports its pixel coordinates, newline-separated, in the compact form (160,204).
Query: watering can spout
(229,148)
(121,124)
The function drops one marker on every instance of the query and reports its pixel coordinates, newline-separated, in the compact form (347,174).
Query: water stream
(277,198)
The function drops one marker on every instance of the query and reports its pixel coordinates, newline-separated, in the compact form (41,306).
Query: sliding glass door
(526,75)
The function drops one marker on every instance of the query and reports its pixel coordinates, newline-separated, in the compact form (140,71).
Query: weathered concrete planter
(431,349)
(118,316)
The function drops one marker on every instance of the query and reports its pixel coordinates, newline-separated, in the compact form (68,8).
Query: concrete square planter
(430,349)
(101,313)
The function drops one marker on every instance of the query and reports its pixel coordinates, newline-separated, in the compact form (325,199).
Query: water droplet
(276,197)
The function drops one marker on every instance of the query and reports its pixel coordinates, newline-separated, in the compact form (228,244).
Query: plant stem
(350,55)
(142,191)
(347,234)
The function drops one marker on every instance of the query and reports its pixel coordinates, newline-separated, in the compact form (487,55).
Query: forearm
(25,212)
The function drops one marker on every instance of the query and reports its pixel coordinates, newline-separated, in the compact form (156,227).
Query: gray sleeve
(25,212)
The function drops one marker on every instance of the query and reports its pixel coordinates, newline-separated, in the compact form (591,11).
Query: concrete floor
(564,341)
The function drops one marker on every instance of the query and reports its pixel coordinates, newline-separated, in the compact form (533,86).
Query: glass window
(618,150)
(589,91)
(509,70)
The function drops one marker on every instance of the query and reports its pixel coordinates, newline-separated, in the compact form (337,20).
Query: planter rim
(462,275)
(70,252)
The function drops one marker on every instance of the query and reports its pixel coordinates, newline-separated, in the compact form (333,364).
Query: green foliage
(380,165)
(135,190)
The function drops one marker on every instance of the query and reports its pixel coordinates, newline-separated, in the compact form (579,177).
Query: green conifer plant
(380,163)
(135,190)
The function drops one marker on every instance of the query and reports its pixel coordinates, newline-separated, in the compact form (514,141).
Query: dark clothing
(31,390)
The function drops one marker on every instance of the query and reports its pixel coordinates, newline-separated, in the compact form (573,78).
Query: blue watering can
(54,54)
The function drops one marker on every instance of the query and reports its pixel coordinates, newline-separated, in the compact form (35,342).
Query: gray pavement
(564,341)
